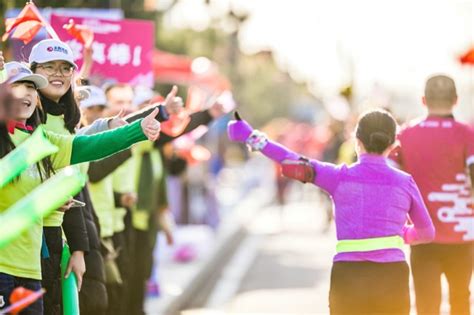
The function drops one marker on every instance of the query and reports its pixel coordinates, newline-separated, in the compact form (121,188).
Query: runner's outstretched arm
(324,175)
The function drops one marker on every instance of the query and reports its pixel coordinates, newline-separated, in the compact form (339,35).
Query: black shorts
(369,288)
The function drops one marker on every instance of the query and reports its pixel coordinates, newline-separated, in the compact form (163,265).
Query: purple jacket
(372,199)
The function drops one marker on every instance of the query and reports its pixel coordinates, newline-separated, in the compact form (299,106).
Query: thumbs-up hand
(173,103)
(118,120)
(150,126)
(239,130)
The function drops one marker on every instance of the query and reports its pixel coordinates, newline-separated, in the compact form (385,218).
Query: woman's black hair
(45,166)
(72,113)
(376,130)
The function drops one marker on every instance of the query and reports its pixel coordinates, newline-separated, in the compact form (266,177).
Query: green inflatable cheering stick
(28,153)
(43,200)
(69,286)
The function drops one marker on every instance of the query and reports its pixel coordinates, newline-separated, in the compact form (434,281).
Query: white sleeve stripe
(470,160)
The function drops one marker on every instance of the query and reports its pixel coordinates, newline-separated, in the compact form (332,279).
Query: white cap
(17,71)
(50,50)
(142,95)
(96,97)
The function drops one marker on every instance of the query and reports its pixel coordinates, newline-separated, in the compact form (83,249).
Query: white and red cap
(51,50)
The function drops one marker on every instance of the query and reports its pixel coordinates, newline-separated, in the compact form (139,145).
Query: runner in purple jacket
(377,209)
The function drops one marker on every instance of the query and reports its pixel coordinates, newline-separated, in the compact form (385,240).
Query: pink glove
(239,130)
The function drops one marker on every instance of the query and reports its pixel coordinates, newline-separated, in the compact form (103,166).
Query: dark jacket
(93,295)
(73,223)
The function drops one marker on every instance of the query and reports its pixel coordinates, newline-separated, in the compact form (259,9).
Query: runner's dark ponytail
(376,130)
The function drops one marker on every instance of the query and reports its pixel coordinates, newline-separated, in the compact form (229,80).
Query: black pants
(369,288)
(118,294)
(428,263)
(51,271)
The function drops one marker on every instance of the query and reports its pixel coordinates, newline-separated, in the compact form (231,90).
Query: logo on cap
(57,49)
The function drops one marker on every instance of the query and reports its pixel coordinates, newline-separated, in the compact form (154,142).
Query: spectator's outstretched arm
(162,114)
(103,124)
(99,170)
(171,105)
(98,146)
(86,68)
(196,119)
(97,126)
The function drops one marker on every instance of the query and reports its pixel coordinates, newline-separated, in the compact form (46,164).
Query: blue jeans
(8,283)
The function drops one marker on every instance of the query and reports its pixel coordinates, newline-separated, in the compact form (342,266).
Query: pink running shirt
(437,152)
